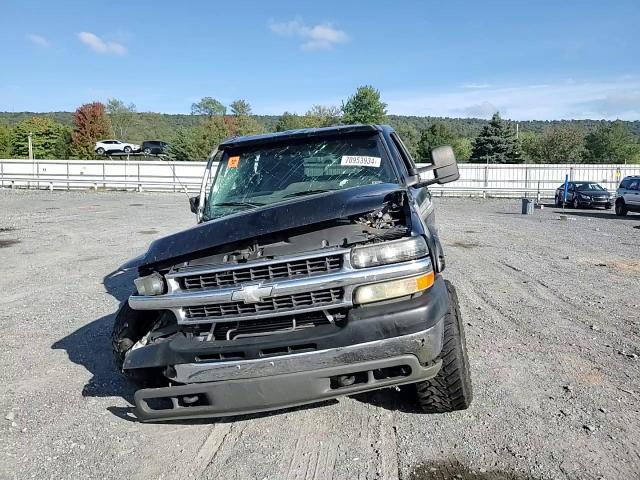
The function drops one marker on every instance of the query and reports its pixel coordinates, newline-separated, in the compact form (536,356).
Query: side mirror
(443,165)
(193,203)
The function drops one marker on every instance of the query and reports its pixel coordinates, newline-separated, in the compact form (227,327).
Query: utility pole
(30,146)
(517,130)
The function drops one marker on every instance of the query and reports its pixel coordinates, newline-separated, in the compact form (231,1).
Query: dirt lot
(553,323)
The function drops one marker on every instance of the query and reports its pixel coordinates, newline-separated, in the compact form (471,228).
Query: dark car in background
(584,194)
(154,147)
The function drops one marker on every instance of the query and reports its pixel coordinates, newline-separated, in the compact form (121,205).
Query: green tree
(208,106)
(240,107)
(496,143)
(436,135)
(323,116)
(182,147)
(122,117)
(364,107)
(612,143)
(558,144)
(410,137)
(91,124)
(5,140)
(462,147)
(207,135)
(242,122)
(49,138)
(439,134)
(291,121)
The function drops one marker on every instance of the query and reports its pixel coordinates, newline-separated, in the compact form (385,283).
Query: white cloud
(98,45)
(474,86)
(316,37)
(38,40)
(607,99)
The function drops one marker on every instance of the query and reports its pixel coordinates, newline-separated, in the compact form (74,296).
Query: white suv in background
(105,146)
(628,195)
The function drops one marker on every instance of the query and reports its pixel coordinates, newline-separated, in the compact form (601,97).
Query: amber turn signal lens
(393,289)
(425,281)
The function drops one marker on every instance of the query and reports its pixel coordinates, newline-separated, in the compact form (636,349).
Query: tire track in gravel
(207,452)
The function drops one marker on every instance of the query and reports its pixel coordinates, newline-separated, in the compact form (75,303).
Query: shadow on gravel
(607,215)
(90,345)
(454,470)
(402,399)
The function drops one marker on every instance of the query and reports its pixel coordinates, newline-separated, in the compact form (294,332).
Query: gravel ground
(552,314)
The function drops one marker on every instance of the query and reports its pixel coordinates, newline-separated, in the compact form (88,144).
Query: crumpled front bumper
(241,387)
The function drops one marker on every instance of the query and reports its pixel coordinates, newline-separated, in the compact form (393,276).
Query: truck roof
(300,133)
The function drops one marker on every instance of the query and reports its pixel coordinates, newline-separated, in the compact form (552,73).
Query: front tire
(558,201)
(621,208)
(129,326)
(100,151)
(576,203)
(450,389)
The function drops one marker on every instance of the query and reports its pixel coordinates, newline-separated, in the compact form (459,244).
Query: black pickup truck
(315,271)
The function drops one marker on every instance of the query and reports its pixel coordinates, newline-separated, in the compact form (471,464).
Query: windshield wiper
(307,192)
(238,204)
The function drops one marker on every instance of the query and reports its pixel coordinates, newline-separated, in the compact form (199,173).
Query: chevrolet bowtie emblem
(251,293)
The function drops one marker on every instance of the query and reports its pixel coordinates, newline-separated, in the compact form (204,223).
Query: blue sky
(530,60)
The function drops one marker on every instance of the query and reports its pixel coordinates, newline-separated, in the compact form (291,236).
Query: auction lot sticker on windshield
(233,162)
(360,161)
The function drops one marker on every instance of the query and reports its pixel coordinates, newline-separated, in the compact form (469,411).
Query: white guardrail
(475,179)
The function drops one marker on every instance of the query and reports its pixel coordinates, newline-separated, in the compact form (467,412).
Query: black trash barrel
(527,206)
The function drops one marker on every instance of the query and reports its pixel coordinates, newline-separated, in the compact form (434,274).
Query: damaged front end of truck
(312,274)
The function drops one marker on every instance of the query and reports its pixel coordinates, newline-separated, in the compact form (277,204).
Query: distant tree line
(191,137)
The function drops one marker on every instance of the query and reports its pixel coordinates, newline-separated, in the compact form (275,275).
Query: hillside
(150,125)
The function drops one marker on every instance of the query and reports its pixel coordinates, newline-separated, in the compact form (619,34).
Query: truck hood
(297,212)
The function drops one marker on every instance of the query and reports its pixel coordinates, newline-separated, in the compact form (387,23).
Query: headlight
(389,252)
(585,197)
(150,285)
(393,289)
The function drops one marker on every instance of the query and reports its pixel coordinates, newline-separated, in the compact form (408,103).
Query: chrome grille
(277,304)
(295,268)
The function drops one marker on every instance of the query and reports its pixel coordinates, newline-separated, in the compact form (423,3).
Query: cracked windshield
(262,175)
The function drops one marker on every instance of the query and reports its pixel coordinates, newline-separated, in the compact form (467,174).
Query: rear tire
(621,208)
(450,389)
(127,149)
(147,151)
(558,201)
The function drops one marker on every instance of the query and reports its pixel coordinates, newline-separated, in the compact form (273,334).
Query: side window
(404,154)
(625,183)
(635,185)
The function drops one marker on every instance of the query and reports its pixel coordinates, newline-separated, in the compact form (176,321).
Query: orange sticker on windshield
(233,162)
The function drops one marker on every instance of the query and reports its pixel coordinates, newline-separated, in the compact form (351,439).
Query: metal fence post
(68,186)
(486,181)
